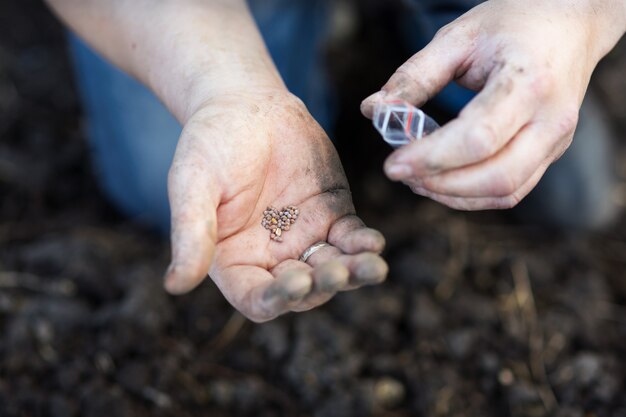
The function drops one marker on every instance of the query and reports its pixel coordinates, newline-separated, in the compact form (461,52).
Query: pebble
(389,392)
(506,377)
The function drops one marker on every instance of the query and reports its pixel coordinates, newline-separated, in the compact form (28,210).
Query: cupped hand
(531,62)
(239,154)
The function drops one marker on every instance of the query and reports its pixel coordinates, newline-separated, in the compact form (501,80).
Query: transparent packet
(400,123)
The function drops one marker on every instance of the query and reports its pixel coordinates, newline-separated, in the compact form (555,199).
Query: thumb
(426,72)
(193,199)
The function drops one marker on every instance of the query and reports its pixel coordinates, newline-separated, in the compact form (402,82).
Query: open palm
(238,155)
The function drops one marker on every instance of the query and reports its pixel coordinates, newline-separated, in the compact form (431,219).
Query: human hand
(531,62)
(246,144)
(239,154)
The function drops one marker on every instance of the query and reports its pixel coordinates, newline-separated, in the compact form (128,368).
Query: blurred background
(480,316)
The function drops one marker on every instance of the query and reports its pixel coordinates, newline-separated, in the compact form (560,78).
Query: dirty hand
(531,62)
(239,154)
(246,144)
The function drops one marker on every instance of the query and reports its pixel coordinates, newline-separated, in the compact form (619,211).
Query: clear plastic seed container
(400,123)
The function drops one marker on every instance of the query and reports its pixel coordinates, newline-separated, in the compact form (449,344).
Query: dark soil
(479,317)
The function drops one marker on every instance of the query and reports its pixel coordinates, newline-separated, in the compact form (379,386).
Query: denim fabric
(133,137)
(424,19)
(131,134)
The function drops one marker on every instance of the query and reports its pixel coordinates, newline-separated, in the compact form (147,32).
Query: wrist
(239,64)
(609,17)
(217,90)
(203,82)
(601,23)
(208,50)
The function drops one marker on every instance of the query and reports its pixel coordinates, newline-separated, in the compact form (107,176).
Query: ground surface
(479,317)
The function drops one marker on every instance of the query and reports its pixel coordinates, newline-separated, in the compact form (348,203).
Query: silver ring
(312,249)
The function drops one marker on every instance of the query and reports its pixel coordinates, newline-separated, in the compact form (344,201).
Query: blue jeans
(133,136)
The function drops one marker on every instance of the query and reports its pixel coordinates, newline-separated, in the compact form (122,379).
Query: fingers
(484,127)
(328,278)
(335,271)
(364,268)
(261,296)
(503,180)
(193,201)
(426,72)
(501,175)
(291,284)
(351,236)
(297,286)
(486,203)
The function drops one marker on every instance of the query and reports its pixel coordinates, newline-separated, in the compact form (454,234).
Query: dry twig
(528,312)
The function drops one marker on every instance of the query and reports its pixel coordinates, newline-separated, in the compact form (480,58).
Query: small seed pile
(278,222)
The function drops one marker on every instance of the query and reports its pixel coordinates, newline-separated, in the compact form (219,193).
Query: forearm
(603,20)
(610,22)
(186,51)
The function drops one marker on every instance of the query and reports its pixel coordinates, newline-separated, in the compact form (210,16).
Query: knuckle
(482,141)
(258,318)
(502,203)
(257,313)
(562,148)
(448,30)
(504,184)
(403,77)
(542,82)
(510,201)
(418,189)
(567,123)
(459,203)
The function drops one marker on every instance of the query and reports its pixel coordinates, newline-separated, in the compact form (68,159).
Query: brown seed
(279,221)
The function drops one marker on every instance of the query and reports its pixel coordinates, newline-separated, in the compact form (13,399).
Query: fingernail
(293,285)
(172,282)
(372,270)
(331,276)
(379,95)
(399,171)
(367,105)
(416,189)
(168,272)
(399,157)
